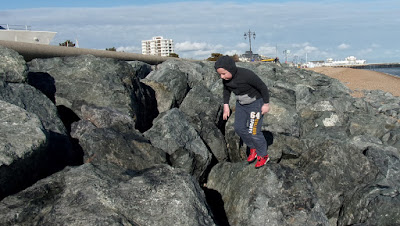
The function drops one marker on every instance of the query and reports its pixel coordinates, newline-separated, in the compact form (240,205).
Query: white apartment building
(158,46)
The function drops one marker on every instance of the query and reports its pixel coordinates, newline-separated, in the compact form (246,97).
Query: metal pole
(250,34)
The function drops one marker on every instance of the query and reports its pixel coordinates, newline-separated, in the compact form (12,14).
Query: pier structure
(371,66)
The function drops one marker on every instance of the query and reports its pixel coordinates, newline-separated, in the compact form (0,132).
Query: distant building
(158,46)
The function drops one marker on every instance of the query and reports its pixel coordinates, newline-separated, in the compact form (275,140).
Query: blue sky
(310,29)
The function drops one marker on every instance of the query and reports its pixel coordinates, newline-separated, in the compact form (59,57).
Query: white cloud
(233,52)
(191,46)
(267,50)
(130,49)
(242,45)
(374,45)
(343,46)
(199,50)
(365,51)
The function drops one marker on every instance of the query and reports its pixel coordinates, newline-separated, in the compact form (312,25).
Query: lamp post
(250,34)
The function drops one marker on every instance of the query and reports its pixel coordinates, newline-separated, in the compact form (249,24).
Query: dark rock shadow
(216,204)
(148,109)
(68,117)
(43,82)
(269,137)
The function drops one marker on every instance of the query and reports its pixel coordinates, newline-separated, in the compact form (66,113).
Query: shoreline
(361,79)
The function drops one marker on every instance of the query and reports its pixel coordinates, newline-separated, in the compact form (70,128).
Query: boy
(252,102)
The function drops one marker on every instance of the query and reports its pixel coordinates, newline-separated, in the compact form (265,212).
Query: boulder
(335,169)
(141,69)
(109,195)
(172,133)
(23,148)
(170,86)
(378,203)
(108,136)
(32,100)
(13,67)
(273,195)
(204,113)
(89,80)
(197,72)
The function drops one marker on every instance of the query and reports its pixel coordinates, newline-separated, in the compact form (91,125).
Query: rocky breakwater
(97,141)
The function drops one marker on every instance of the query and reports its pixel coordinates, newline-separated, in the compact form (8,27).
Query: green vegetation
(67,43)
(215,56)
(173,55)
(111,49)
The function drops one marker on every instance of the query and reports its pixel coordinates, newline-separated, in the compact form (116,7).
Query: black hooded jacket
(245,84)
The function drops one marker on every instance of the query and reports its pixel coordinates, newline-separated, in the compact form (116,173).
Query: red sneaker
(252,155)
(261,161)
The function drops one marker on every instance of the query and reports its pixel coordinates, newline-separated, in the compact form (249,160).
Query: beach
(358,79)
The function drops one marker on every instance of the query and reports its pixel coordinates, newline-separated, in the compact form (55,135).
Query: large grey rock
(197,72)
(107,136)
(282,118)
(32,100)
(273,195)
(105,117)
(13,67)
(23,146)
(236,149)
(170,86)
(204,113)
(336,169)
(379,202)
(364,124)
(89,80)
(172,133)
(109,195)
(142,69)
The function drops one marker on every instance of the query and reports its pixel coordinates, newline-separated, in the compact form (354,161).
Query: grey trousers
(248,123)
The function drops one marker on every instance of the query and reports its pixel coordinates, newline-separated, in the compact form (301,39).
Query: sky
(310,29)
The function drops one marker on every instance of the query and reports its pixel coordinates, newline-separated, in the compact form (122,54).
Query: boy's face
(226,75)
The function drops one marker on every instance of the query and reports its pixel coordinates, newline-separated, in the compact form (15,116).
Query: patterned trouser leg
(248,122)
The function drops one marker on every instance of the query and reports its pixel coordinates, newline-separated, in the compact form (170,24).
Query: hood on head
(227,63)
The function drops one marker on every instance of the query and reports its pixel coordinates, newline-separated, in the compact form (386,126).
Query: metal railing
(14,27)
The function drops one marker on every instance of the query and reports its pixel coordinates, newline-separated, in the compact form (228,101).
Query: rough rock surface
(335,159)
(276,195)
(87,80)
(107,136)
(170,86)
(173,134)
(141,69)
(21,160)
(109,195)
(12,66)
(206,120)
(60,151)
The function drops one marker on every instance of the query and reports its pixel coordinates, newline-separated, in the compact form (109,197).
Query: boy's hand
(227,112)
(265,109)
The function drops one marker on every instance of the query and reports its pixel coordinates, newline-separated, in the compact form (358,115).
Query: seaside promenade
(358,79)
